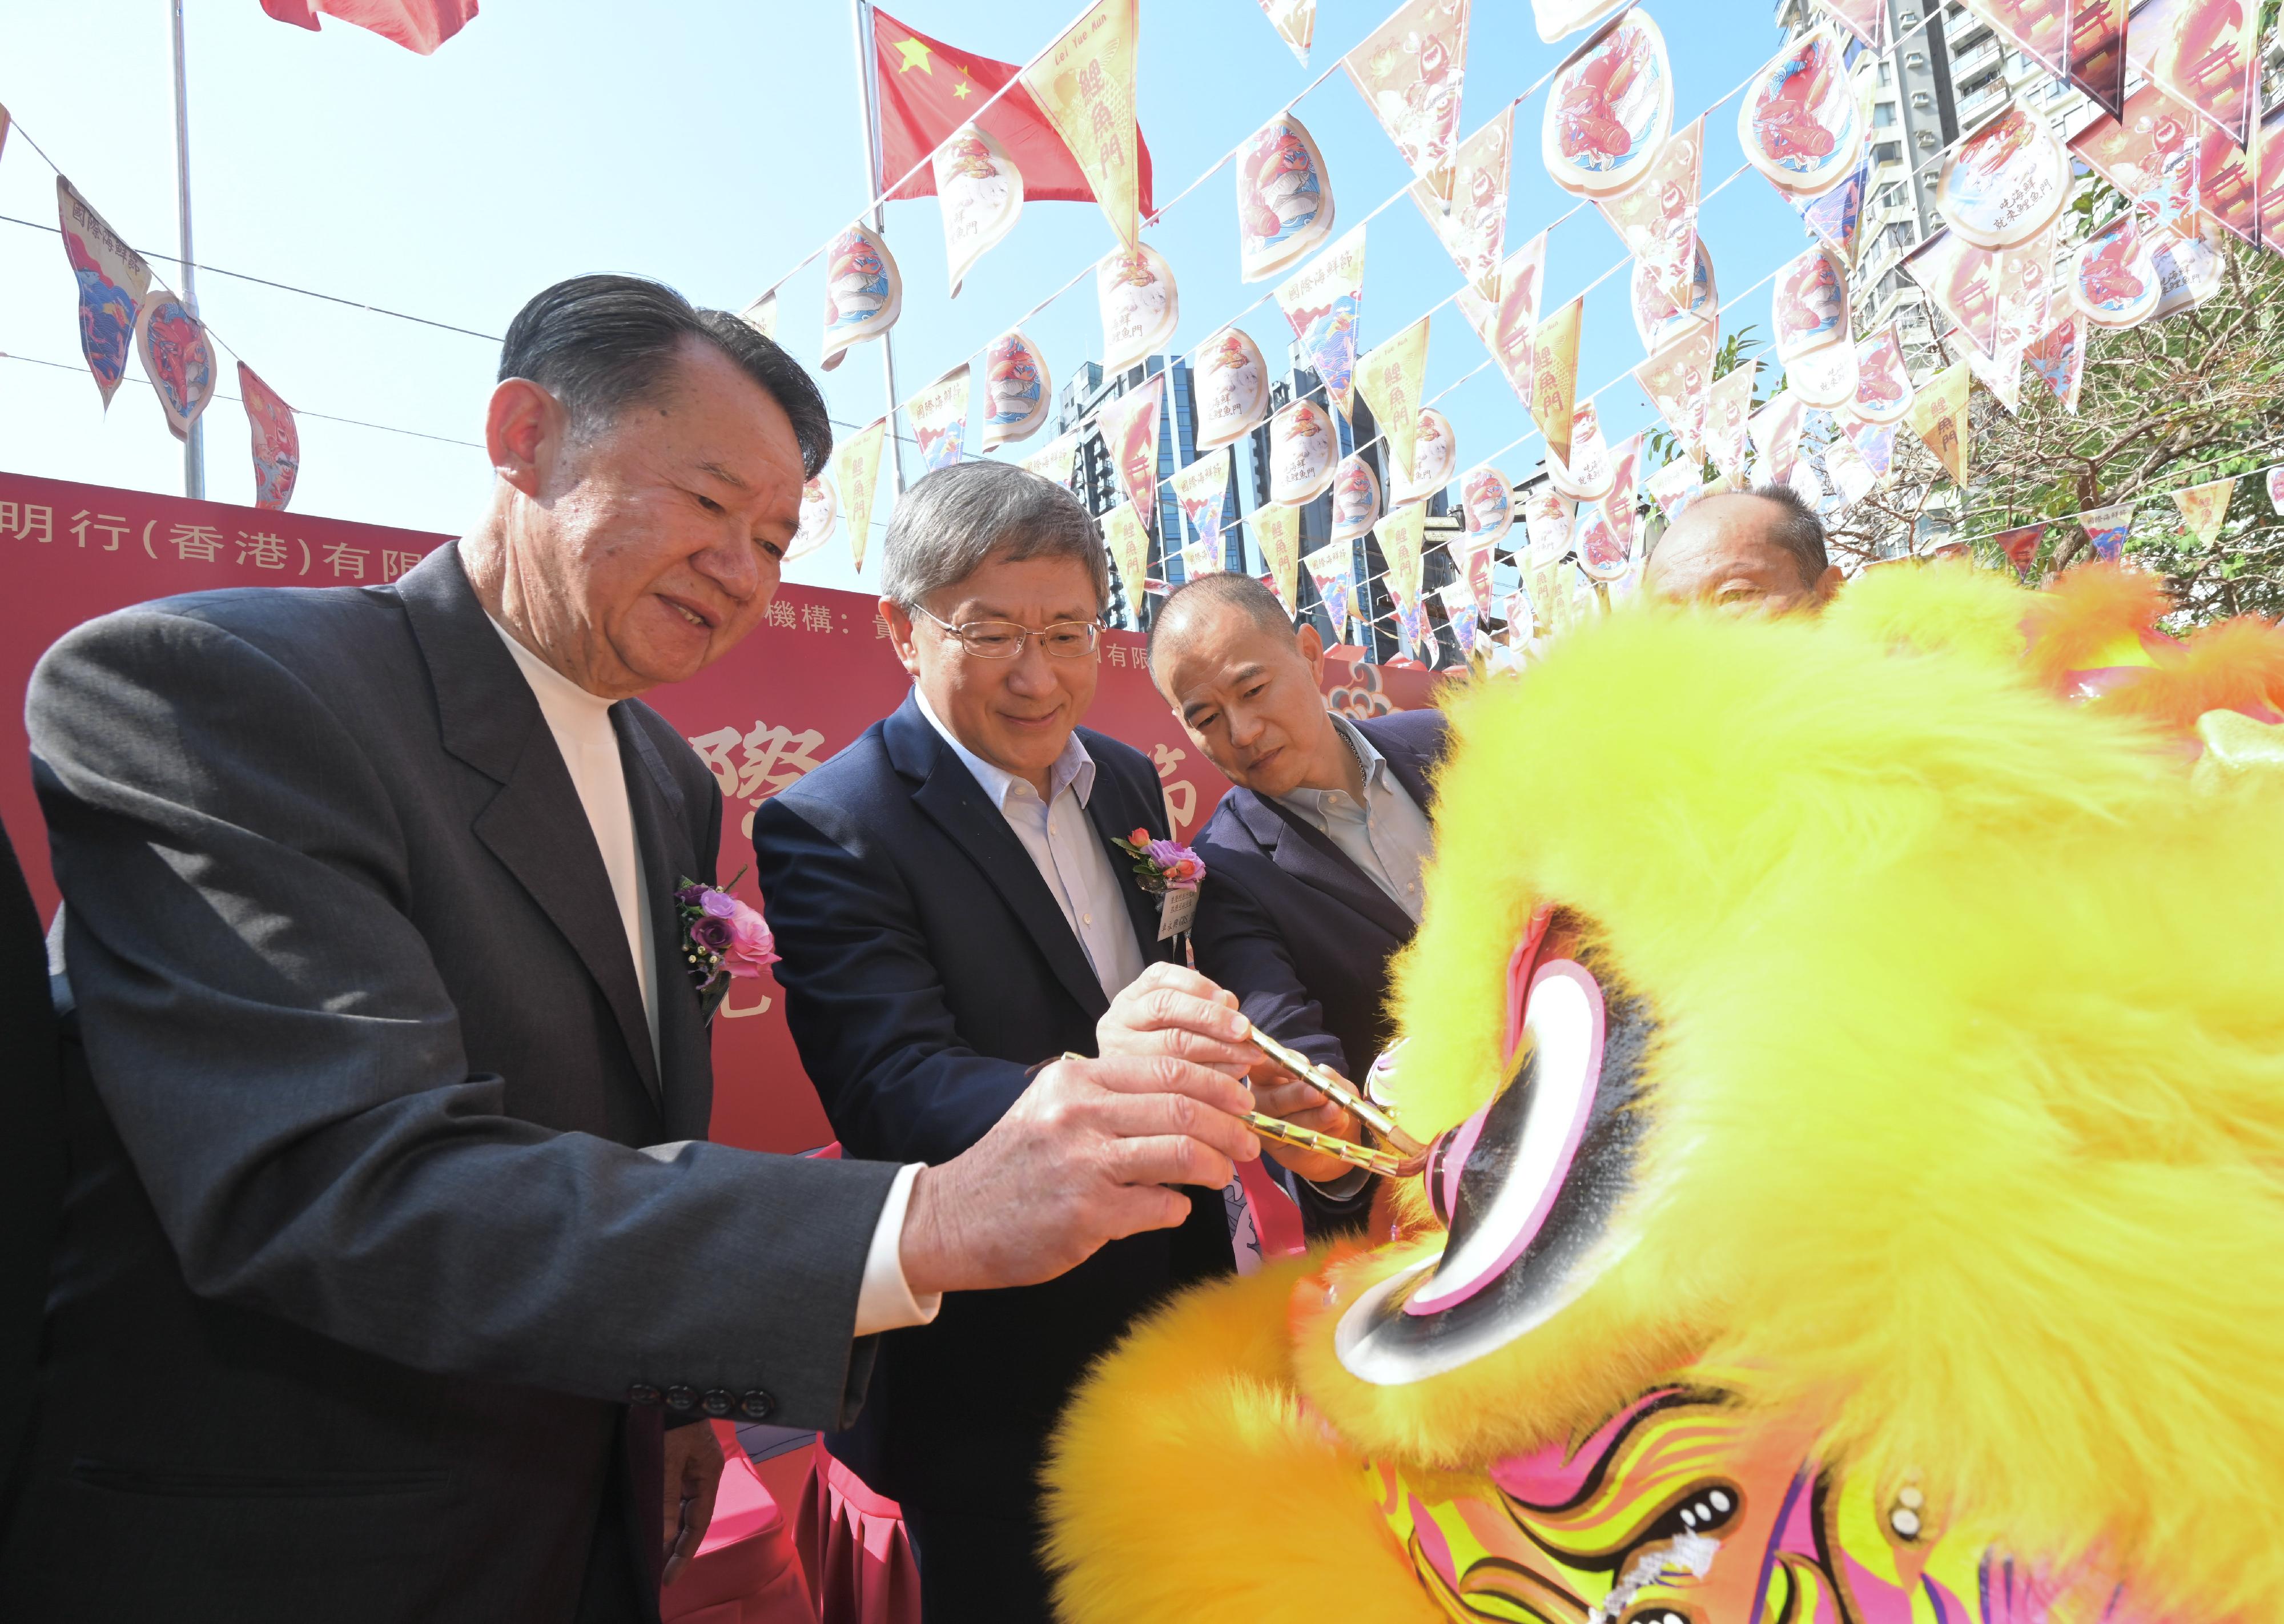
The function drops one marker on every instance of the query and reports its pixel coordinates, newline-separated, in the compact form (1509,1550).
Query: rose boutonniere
(721,939)
(1170,871)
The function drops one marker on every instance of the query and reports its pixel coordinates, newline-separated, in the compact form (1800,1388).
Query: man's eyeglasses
(1004,640)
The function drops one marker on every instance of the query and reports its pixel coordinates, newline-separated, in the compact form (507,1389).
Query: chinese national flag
(928,90)
(417,25)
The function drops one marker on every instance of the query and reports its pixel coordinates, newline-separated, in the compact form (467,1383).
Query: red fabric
(922,103)
(853,1545)
(417,25)
(1276,1219)
(747,1571)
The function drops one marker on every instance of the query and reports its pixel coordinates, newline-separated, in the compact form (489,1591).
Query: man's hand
(1169,1011)
(1278,1093)
(1083,1157)
(693,1477)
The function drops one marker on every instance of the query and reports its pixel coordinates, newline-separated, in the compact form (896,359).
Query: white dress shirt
(1065,848)
(1386,835)
(581,722)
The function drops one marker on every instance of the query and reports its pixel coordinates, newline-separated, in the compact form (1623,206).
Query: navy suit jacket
(927,972)
(1293,928)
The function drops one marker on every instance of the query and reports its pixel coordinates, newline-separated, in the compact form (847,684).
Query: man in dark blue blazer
(1313,859)
(953,913)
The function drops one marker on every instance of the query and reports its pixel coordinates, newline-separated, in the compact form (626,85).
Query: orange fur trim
(2085,610)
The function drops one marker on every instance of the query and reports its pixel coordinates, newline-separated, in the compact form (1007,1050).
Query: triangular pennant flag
(2002,377)
(177,358)
(113,280)
(2205,506)
(1084,83)
(1657,220)
(1837,218)
(1473,227)
(863,291)
(1939,418)
(1776,435)
(1322,303)
(1400,535)
(1390,379)
(1852,479)
(1332,569)
(1554,375)
(1017,392)
(2203,52)
(1884,384)
(1202,558)
(1202,489)
(2156,152)
(1058,459)
(1408,71)
(1276,532)
(1129,433)
(2108,529)
(277,441)
(1875,443)
(1128,539)
(1963,281)
(1506,323)
(1674,486)
(761,315)
(1296,22)
(857,471)
(1728,414)
(939,419)
(2020,546)
(2097,51)
(980,192)
(820,506)
(1461,610)
(1675,379)
(2276,489)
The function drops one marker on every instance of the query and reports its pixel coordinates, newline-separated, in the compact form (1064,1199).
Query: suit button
(684,1399)
(716,1402)
(643,1393)
(756,1405)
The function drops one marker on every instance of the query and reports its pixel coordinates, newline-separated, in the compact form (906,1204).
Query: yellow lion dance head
(1860,1195)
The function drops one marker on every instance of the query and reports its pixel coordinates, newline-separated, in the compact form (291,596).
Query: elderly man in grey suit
(368,1306)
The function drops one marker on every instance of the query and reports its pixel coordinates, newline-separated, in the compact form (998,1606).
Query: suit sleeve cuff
(885,1301)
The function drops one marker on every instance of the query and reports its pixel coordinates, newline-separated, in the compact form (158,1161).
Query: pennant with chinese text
(1776,435)
(113,279)
(177,358)
(1506,323)
(1939,418)
(1229,388)
(1875,443)
(1963,281)
(863,291)
(1461,610)
(1323,304)
(1058,459)
(1852,479)
(2169,163)
(2005,183)
(1799,120)
(1303,452)
(1129,426)
(980,192)
(1203,488)
(1883,385)
(1332,569)
(1140,305)
(1128,538)
(820,506)
(277,441)
(1657,221)
(2020,547)
(1390,379)
(1284,198)
(1728,414)
(1084,83)
(1473,229)
(2108,529)
(1276,532)
(1547,516)
(1202,558)
(1296,22)
(857,471)
(2202,51)
(1487,509)
(2203,507)
(1674,486)
(1408,71)
(939,419)
(1400,534)
(1435,454)
(1554,375)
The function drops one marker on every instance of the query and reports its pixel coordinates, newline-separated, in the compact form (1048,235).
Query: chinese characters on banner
(857,471)
(1130,432)
(2202,51)
(1084,83)
(113,280)
(1473,229)
(1408,72)
(1276,532)
(939,419)
(2203,507)
(2108,529)
(1202,489)
(1140,304)
(1332,569)
(1728,414)
(980,192)
(1401,534)
(1507,321)
(1939,418)
(1058,459)
(1323,305)
(277,440)
(1390,379)
(1128,538)
(177,358)
(1554,375)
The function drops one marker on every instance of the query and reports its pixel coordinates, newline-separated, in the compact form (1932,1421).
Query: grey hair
(950,524)
(1800,532)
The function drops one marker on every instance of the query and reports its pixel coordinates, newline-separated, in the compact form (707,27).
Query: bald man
(1313,859)
(1750,553)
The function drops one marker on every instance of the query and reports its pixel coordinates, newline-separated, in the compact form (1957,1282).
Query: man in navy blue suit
(952,916)
(1313,858)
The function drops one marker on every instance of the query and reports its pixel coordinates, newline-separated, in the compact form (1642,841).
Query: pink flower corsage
(1161,866)
(721,939)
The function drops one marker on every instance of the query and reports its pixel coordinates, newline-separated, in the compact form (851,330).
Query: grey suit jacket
(360,1272)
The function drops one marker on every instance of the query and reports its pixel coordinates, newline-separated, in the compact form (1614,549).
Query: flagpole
(861,11)
(194,444)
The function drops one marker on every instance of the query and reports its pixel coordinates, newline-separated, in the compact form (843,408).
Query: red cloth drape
(853,1545)
(747,1572)
(417,25)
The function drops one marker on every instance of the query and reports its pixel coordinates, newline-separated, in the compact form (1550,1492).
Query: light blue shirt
(1065,848)
(1387,835)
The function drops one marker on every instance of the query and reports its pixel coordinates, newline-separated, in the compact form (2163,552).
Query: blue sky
(712,146)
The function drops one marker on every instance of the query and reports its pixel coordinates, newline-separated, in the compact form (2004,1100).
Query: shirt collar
(566,706)
(1074,769)
(1375,771)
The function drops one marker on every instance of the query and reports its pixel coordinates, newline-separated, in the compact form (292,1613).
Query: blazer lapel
(661,819)
(955,802)
(534,825)
(1116,814)
(1310,857)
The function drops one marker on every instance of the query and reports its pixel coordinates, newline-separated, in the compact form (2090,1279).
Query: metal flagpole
(868,107)
(194,446)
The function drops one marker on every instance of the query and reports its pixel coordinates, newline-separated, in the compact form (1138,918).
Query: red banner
(814,676)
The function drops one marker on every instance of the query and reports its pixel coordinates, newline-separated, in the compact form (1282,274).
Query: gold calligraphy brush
(1337,1089)
(1371,1158)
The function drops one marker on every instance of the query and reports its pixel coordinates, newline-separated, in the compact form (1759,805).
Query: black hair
(1231,588)
(600,344)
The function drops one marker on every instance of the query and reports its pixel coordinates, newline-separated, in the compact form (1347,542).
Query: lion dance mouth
(1850,1059)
